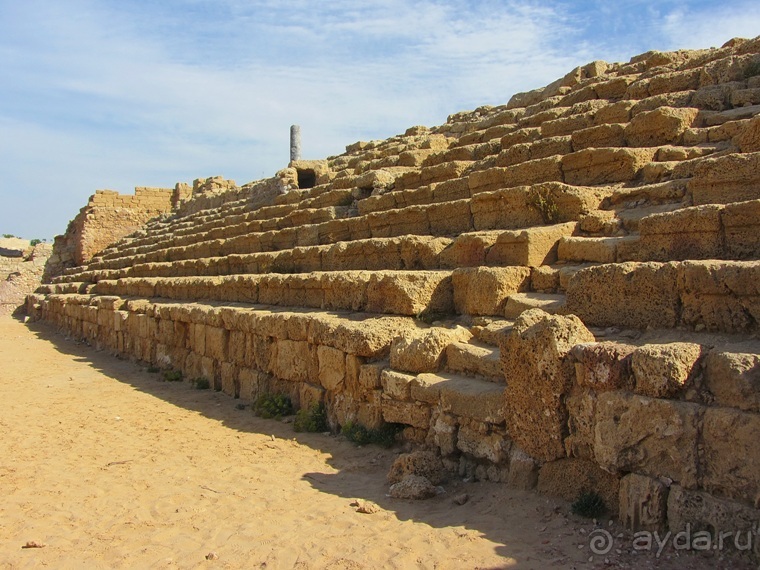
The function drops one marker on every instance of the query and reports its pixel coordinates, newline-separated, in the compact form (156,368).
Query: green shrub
(8,236)
(360,435)
(173,376)
(312,419)
(589,505)
(546,205)
(273,406)
(35,242)
(154,369)
(201,384)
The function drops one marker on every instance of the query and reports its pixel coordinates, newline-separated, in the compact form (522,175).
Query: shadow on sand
(510,518)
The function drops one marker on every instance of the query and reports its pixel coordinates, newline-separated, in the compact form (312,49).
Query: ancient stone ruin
(21,267)
(560,293)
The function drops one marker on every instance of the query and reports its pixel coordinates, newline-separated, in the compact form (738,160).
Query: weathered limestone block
(409,293)
(461,396)
(396,385)
(649,436)
(423,463)
(665,370)
(588,249)
(484,290)
(481,442)
(720,295)
(603,366)
(539,370)
(599,136)
(443,433)
(604,165)
(630,294)
(568,478)
(689,233)
(370,374)
(413,487)
(361,335)
(469,250)
(733,378)
(664,125)
(216,343)
(291,360)
(731,466)
(726,179)
(414,414)
(523,470)
(748,139)
(475,359)
(422,351)
(229,379)
(529,247)
(581,422)
(696,510)
(504,209)
(643,503)
(741,229)
(332,367)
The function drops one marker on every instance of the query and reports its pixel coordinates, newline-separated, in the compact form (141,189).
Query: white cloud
(154,93)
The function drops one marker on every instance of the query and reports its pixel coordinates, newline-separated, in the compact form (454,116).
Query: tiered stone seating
(488,284)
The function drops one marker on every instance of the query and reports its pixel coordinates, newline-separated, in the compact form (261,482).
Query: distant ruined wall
(107,217)
(20,276)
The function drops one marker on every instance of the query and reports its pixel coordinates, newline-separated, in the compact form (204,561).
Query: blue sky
(117,94)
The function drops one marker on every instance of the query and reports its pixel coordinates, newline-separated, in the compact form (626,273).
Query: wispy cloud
(151,93)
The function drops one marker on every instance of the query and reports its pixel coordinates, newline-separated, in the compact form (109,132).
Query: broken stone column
(295,143)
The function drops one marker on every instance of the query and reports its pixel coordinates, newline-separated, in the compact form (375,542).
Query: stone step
(459,395)
(552,303)
(711,231)
(392,292)
(502,209)
(579,249)
(554,278)
(710,295)
(474,359)
(488,331)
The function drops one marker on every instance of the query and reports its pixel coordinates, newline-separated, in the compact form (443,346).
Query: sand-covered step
(393,292)
(552,303)
(711,295)
(474,359)
(579,249)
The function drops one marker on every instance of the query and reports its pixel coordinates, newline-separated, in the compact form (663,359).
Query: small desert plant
(589,505)
(311,419)
(360,435)
(545,204)
(173,376)
(273,406)
(8,236)
(154,369)
(201,384)
(35,241)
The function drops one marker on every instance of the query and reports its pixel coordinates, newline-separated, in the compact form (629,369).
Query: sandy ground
(109,467)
